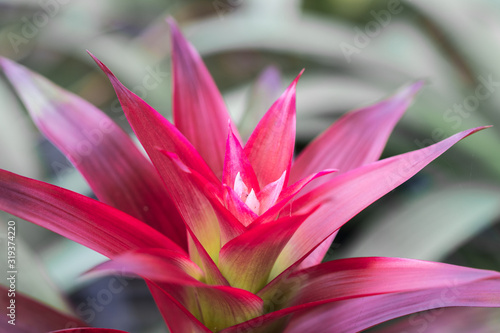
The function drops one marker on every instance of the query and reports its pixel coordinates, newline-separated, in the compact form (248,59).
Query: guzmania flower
(229,235)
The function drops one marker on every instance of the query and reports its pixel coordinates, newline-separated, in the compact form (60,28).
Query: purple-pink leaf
(266,90)
(158,134)
(376,309)
(357,138)
(91,223)
(104,154)
(198,108)
(156,264)
(353,191)
(350,295)
(270,147)
(446,320)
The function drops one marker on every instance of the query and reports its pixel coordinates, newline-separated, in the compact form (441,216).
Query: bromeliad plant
(230,237)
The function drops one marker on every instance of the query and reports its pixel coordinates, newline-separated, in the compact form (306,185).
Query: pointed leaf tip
(101,65)
(9,66)
(409,91)
(471,131)
(364,130)
(199,111)
(4,62)
(270,146)
(173,26)
(13,71)
(379,177)
(290,92)
(293,85)
(170,20)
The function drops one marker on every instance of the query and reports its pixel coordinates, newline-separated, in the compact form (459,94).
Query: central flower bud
(249,198)
(264,199)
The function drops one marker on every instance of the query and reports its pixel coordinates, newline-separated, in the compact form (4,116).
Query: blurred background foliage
(355,52)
